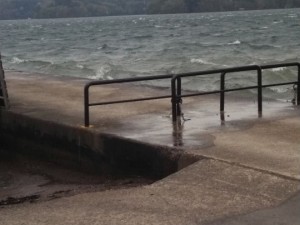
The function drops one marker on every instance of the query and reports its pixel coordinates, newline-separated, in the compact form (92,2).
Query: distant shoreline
(147,14)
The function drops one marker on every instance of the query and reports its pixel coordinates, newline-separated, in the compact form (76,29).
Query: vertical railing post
(178,101)
(222,96)
(86,106)
(3,88)
(298,86)
(174,98)
(259,90)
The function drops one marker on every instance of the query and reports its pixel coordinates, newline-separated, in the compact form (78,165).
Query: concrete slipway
(246,171)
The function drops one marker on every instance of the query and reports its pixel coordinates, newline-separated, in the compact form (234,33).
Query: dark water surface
(129,46)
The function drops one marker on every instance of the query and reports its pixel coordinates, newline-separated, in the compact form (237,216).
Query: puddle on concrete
(26,180)
(199,122)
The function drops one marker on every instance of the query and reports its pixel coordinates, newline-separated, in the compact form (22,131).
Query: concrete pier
(242,171)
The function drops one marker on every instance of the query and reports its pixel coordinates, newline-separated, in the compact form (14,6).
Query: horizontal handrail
(177,98)
(87,104)
(176,86)
(280,65)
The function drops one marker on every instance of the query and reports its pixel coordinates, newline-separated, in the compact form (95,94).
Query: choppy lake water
(128,46)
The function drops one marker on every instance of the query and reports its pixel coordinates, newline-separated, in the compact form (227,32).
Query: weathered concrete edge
(87,148)
(243,165)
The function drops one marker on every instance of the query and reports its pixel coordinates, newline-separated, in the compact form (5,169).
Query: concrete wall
(83,148)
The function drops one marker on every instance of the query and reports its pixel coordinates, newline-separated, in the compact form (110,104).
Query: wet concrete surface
(199,124)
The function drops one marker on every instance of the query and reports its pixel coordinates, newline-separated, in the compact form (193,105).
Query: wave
(236,42)
(102,73)
(205,62)
(292,16)
(66,68)
(37,26)
(217,34)
(279,69)
(202,61)
(80,66)
(16,60)
(107,47)
(218,44)
(263,46)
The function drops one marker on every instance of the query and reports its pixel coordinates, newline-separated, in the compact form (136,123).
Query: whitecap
(278,69)
(194,60)
(202,61)
(102,73)
(79,66)
(104,46)
(292,15)
(237,42)
(279,90)
(16,60)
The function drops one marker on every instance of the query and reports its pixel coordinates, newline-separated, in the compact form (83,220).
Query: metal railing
(87,103)
(176,85)
(176,88)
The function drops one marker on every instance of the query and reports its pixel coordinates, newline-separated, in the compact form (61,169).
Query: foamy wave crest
(278,69)
(79,66)
(279,90)
(202,61)
(102,73)
(237,42)
(16,60)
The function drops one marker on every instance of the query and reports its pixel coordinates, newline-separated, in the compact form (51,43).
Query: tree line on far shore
(22,9)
